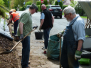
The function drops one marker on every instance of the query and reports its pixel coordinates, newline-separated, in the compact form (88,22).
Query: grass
(85,17)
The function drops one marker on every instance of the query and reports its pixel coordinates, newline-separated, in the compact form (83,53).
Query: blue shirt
(78,28)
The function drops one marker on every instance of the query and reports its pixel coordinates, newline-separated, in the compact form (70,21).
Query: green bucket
(84,61)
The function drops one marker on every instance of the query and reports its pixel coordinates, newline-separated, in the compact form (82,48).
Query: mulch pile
(7,60)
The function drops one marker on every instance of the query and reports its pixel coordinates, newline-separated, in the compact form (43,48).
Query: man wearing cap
(25,26)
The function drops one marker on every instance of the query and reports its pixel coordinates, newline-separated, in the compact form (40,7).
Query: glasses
(66,14)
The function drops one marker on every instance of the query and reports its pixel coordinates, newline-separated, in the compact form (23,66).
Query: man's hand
(78,54)
(60,34)
(21,36)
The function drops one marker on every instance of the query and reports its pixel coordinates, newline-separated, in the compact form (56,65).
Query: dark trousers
(25,52)
(15,27)
(46,36)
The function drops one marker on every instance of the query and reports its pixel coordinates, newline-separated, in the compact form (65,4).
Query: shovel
(9,51)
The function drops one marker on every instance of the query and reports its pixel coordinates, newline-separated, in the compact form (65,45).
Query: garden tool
(60,35)
(9,51)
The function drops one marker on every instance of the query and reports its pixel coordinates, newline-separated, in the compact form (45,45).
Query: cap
(33,6)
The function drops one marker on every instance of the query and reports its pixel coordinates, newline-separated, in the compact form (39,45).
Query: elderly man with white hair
(73,38)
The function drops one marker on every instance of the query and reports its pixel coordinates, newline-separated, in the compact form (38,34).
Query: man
(25,26)
(73,38)
(15,17)
(46,24)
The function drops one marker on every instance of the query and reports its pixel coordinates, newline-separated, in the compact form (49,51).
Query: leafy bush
(47,5)
(45,2)
(22,8)
(38,7)
(38,3)
(1,2)
(2,12)
(28,3)
(64,6)
(79,10)
(60,3)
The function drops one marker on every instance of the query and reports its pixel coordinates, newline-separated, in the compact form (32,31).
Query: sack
(53,49)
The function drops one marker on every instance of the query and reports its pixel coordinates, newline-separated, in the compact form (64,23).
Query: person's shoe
(44,52)
(43,48)
(28,62)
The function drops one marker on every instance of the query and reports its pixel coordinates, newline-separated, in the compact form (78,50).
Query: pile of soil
(8,60)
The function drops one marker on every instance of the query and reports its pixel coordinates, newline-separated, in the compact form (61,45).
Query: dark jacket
(48,19)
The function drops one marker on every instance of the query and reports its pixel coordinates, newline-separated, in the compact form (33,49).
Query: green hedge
(22,8)
(28,3)
(38,3)
(45,2)
(39,8)
(60,3)
(64,6)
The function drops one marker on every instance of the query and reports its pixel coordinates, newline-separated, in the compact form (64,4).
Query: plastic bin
(39,35)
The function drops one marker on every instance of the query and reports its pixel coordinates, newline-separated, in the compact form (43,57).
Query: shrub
(60,3)
(79,10)
(64,6)
(2,12)
(1,2)
(45,2)
(38,3)
(28,3)
(38,7)
(22,8)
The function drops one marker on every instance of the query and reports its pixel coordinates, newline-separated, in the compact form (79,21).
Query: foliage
(60,3)
(73,3)
(45,2)
(28,3)
(1,2)
(79,10)
(7,3)
(39,9)
(51,1)
(64,6)
(38,3)
(2,12)
(22,8)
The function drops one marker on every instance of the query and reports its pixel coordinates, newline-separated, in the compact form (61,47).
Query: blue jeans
(25,52)
(46,36)
(15,27)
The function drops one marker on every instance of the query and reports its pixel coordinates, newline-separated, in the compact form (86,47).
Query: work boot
(43,48)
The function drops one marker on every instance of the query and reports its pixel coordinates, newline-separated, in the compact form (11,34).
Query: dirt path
(37,58)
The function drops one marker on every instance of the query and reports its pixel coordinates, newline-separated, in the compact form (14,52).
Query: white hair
(69,9)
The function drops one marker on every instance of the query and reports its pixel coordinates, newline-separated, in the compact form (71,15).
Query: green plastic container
(84,61)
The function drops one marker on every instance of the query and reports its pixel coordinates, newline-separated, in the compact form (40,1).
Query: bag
(53,49)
